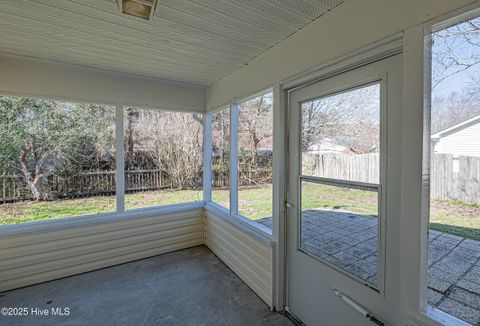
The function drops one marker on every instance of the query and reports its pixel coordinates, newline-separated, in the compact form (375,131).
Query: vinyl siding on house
(465,141)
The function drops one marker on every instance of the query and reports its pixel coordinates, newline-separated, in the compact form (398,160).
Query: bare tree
(221,146)
(255,132)
(350,119)
(455,54)
(256,123)
(453,109)
(174,142)
(131,115)
(455,49)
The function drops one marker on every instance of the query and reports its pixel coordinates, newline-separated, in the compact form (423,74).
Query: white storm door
(340,181)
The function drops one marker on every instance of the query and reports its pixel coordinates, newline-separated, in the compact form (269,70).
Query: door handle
(358,308)
(288,204)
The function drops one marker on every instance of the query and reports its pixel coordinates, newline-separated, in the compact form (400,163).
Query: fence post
(4,187)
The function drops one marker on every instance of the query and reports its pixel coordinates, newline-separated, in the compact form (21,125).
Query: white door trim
(373,52)
(368,54)
(355,78)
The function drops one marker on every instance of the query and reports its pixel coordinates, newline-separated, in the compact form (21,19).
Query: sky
(448,40)
(456,82)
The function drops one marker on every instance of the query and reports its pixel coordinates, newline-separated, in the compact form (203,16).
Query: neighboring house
(328,145)
(461,139)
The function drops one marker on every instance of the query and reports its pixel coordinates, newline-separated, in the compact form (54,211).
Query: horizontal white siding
(247,256)
(463,142)
(50,254)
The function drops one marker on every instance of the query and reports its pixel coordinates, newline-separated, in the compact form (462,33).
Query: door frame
(368,54)
(304,270)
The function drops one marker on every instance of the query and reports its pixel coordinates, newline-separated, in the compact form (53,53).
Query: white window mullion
(120,160)
(234,159)
(279,171)
(207,158)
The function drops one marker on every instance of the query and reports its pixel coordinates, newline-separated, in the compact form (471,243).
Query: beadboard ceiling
(194,41)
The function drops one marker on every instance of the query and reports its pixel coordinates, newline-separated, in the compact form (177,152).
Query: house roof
(456,128)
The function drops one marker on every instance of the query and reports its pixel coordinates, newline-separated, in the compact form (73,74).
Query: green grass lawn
(37,211)
(456,218)
(335,198)
(161,198)
(253,203)
(446,216)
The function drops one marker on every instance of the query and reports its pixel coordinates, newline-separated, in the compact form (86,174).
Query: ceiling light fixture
(138,8)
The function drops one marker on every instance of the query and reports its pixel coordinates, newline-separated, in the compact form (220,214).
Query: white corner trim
(279,196)
(207,157)
(120,159)
(233,162)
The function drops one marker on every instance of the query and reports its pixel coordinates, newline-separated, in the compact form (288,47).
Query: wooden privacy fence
(13,188)
(361,167)
(143,180)
(246,177)
(452,177)
(456,178)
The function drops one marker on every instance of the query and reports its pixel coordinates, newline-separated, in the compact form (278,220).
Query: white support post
(120,160)
(234,159)
(414,232)
(279,191)
(207,157)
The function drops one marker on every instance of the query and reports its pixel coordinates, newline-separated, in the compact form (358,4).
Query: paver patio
(349,242)
(454,276)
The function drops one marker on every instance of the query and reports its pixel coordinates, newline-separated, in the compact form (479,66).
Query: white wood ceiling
(195,41)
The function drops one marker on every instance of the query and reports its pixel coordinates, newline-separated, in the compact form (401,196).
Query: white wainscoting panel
(30,258)
(246,254)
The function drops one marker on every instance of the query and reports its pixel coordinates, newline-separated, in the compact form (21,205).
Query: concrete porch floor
(187,287)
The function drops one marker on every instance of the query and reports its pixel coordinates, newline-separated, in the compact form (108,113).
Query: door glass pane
(340,226)
(341,135)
